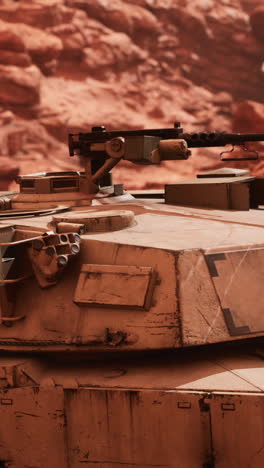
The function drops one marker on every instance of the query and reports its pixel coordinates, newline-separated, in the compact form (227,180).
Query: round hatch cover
(98,221)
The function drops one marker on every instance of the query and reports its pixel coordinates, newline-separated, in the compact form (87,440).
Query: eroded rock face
(257,21)
(9,40)
(26,146)
(67,65)
(121,16)
(12,47)
(42,47)
(8,172)
(19,86)
(37,13)
(250,5)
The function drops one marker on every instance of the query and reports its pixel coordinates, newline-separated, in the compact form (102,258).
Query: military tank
(131,325)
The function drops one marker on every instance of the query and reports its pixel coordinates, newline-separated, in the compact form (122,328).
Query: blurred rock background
(67,65)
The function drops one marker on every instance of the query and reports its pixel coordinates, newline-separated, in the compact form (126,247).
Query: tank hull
(182,409)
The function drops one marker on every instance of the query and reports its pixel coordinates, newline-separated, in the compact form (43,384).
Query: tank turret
(131,325)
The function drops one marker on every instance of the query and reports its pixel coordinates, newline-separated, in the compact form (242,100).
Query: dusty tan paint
(177,315)
(109,427)
(223,194)
(183,233)
(103,221)
(69,323)
(29,201)
(202,317)
(237,430)
(150,429)
(157,411)
(115,285)
(32,428)
(239,285)
(209,370)
(185,409)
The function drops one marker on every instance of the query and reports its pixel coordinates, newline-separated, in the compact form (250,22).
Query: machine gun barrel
(151,146)
(207,139)
(82,142)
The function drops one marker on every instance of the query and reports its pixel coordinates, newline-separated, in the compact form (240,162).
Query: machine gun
(105,149)
(101,150)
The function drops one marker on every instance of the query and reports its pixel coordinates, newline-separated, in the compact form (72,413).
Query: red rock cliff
(70,64)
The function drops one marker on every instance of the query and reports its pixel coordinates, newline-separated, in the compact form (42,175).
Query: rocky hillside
(66,65)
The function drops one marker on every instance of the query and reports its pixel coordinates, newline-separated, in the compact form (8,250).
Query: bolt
(116,145)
